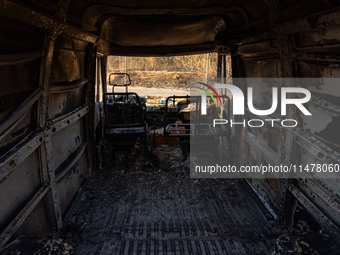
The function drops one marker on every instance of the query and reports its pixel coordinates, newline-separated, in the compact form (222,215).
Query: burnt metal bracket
(61,88)
(14,119)
(323,193)
(19,153)
(322,219)
(53,184)
(80,152)
(61,122)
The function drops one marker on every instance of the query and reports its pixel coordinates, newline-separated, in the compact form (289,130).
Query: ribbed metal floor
(165,212)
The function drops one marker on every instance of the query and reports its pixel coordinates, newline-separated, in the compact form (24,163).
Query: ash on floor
(153,207)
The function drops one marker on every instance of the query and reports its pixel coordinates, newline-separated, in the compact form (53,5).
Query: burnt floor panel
(148,209)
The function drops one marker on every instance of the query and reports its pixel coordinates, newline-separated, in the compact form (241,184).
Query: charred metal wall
(47,66)
(46,120)
(304,48)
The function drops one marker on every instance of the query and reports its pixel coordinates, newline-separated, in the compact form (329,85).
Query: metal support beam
(14,118)
(65,120)
(103,72)
(219,67)
(19,153)
(51,201)
(315,213)
(90,102)
(322,192)
(304,24)
(98,75)
(103,65)
(51,172)
(76,200)
(317,148)
(61,88)
(207,68)
(80,152)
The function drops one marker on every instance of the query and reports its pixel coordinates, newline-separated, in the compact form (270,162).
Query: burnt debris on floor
(38,246)
(155,208)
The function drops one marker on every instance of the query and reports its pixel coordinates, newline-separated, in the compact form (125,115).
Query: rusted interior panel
(68,82)
(48,51)
(18,82)
(66,143)
(69,60)
(43,110)
(64,102)
(68,187)
(307,53)
(22,129)
(19,188)
(36,224)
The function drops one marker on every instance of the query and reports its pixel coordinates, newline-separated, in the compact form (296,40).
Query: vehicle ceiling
(145,27)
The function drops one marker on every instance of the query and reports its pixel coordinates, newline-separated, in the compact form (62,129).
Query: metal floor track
(124,212)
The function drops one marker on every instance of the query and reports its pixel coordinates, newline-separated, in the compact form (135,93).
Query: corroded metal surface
(266,39)
(32,201)
(150,209)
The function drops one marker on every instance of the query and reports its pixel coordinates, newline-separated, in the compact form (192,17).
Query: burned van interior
(87,166)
